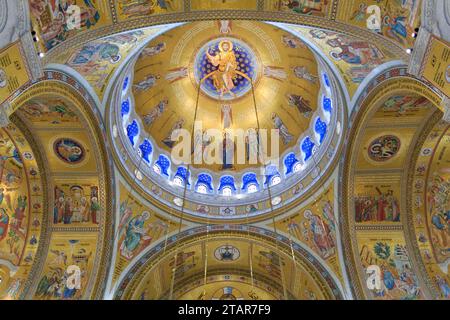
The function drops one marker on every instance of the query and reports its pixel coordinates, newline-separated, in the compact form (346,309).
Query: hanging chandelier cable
(183,206)
(277,244)
(250,249)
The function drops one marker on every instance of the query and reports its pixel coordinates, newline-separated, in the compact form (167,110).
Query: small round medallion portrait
(69,150)
(28,156)
(227,253)
(426,152)
(384,148)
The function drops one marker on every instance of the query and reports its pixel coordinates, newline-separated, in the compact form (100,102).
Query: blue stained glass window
(183,174)
(164,164)
(307,148)
(327,80)
(249,179)
(327,104)
(125,109)
(321,129)
(146,149)
(133,132)
(126,82)
(206,180)
(227,181)
(272,175)
(290,161)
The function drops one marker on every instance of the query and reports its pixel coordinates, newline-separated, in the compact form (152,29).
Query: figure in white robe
(276,73)
(302,73)
(227,116)
(286,137)
(252,146)
(225,26)
(177,126)
(201,141)
(156,113)
(147,83)
(154,50)
(177,74)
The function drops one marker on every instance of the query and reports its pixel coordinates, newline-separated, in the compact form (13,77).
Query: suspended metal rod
(184,197)
(283,277)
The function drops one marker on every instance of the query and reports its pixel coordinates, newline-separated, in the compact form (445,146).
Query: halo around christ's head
(229,43)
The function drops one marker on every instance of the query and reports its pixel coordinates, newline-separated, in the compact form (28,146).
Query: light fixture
(202,189)
(275,181)
(227,192)
(298,167)
(156,169)
(252,188)
(178,182)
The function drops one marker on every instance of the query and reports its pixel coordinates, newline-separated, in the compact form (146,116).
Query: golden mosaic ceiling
(320,230)
(282,68)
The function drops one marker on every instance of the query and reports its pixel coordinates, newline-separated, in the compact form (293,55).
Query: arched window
(273,177)
(162,166)
(298,167)
(182,177)
(146,150)
(326,80)
(250,183)
(253,188)
(291,162)
(320,129)
(227,186)
(133,132)
(201,188)
(227,191)
(126,82)
(327,104)
(307,148)
(204,184)
(125,108)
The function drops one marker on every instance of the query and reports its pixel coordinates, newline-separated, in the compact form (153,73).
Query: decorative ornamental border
(272,16)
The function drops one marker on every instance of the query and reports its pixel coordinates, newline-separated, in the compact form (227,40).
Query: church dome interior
(146,118)
(224,150)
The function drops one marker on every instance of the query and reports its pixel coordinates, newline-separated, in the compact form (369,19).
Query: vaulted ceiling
(88,178)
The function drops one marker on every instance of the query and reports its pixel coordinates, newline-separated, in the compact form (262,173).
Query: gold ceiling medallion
(225,68)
